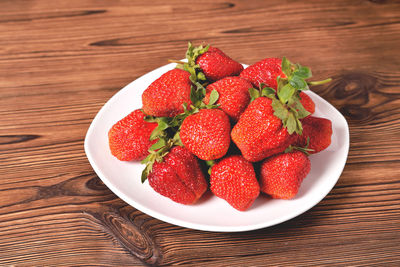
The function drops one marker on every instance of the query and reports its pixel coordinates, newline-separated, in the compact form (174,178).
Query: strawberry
(259,133)
(233,95)
(233,179)
(166,95)
(216,65)
(206,133)
(178,176)
(281,175)
(265,71)
(268,124)
(129,138)
(307,102)
(317,133)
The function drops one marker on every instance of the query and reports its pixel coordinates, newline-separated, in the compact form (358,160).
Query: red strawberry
(206,133)
(307,102)
(282,174)
(216,65)
(178,176)
(129,138)
(259,133)
(265,71)
(165,96)
(233,95)
(318,131)
(233,179)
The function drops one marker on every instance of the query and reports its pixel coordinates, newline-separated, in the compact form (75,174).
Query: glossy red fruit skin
(178,177)
(165,96)
(234,180)
(318,131)
(129,138)
(258,133)
(206,133)
(265,71)
(216,65)
(234,95)
(281,175)
(307,102)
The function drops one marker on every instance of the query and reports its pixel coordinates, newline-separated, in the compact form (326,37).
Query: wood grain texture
(60,61)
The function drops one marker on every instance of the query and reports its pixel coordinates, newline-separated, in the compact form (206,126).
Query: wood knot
(355,86)
(351,93)
(96,184)
(136,240)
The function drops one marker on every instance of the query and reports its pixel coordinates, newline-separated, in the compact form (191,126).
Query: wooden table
(60,61)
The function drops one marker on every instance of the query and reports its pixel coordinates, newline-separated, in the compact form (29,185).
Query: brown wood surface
(60,61)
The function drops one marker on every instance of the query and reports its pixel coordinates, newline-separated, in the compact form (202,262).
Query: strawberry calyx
(287,105)
(286,99)
(157,152)
(197,77)
(262,90)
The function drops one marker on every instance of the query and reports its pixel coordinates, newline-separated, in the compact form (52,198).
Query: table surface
(60,61)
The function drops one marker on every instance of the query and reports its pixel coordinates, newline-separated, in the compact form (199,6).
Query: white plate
(210,213)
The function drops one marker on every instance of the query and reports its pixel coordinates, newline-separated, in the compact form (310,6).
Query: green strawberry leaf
(268,92)
(299,127)
(147,159)
(177,139)
(159,131)
(301,111)
(303,72)
(254,93)
(298,82)
(286,67)
(281,82)
(163,123)
(286,92)
(201,76)
(214,95)
(156,133)
(193,95)
(279,110)
(145,172)
(197,94)
(159,144)
(149,118)
(291,123)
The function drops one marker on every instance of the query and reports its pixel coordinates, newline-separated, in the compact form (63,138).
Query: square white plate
(210,213)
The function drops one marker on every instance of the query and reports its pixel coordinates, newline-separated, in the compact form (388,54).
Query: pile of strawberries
(251,128)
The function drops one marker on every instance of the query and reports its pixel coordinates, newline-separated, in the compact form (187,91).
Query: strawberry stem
(320,82)
(210,164)
(176,61)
